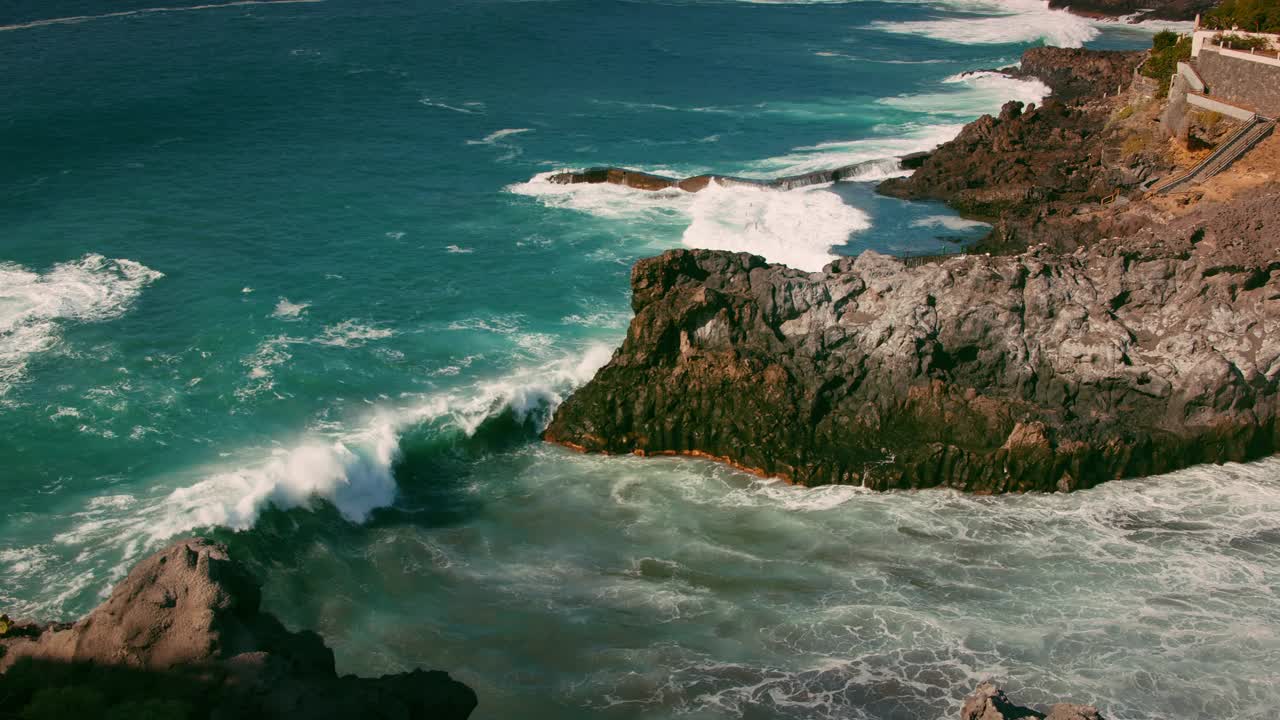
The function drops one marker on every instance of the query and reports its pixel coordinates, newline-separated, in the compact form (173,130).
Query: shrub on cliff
(1250,15)
(1242,42)
(1167,50)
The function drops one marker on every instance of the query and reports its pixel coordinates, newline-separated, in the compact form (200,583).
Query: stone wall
(1250,84)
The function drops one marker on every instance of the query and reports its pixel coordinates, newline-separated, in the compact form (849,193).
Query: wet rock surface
(184,632)
(988,702)
(1037,371)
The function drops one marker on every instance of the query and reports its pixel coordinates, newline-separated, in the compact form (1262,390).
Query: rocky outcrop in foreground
(1038,371)
(988,702)
(183,636)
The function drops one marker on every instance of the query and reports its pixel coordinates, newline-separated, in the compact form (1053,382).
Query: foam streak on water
(1151,598)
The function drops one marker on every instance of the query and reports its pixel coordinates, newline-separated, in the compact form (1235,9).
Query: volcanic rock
(1038,371)
(185,628)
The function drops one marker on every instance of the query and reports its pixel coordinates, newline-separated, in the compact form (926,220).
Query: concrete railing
(1203,39)
(1268,57)
(1207,103)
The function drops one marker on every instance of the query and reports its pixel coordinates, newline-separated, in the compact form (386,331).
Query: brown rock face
(1040,371)
(187,622)
(989,702)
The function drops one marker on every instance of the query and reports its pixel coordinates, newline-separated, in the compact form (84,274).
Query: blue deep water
(291,275)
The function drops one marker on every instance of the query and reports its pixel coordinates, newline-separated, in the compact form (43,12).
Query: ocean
(291,275)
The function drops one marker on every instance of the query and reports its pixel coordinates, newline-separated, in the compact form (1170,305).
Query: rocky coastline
(1036,371)
(1097,342)
(182,636)
(1136,10)
(1035,173)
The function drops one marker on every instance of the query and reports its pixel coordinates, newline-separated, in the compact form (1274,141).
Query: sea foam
(969,94)
(796,228)
(34,306)
(1003,22)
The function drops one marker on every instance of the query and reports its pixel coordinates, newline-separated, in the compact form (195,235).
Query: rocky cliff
(1029,170)
(1035,371)
(183,636)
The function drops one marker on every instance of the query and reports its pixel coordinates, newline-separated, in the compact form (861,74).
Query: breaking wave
(796,228)
(970,94)
(1002,22)
(353,469)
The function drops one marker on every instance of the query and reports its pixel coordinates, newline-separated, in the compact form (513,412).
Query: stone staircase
(1226,153)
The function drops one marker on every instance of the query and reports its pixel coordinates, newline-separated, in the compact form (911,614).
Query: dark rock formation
(1139,9)
(988,702)
(1029,169)
(1040,371)
(1074,73)
(648,181)
(184,631)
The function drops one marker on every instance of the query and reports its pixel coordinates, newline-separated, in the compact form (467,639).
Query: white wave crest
(35,306)
(878,152)
(797,228)
(352,470)
(969,95)
(1000,22)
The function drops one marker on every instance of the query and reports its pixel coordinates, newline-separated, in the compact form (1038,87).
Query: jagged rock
(1041,371)
(1029,169)
(1076,73)
(189,617)
(988,702)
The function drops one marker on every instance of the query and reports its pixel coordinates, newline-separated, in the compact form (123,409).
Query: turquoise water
(290,274)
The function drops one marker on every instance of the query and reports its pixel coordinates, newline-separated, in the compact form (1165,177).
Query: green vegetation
(1167,50)
(1125,113)
(1242,42)
(1249,15)
(1133,145)
(1208,118)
